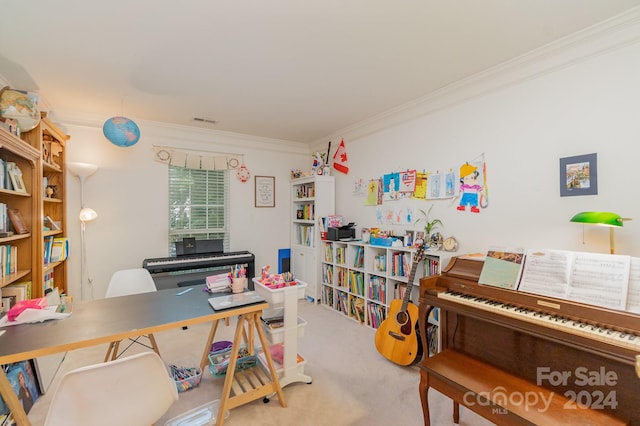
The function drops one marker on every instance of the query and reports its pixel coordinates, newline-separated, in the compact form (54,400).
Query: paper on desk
(34,315)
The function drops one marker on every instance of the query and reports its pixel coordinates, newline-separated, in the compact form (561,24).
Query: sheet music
(633,294)
(600,280)
(547,273)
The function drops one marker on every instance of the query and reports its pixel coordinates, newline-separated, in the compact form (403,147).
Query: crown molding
(168,134)
(602,38)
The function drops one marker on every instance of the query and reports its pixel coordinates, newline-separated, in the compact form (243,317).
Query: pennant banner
(196,160)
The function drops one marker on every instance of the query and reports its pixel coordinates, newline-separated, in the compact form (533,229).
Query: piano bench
(498,396)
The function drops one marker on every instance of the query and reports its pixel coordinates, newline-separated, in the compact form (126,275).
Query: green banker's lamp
(609,219)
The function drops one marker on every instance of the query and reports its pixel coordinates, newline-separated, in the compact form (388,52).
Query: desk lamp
(609,219)
(87,214)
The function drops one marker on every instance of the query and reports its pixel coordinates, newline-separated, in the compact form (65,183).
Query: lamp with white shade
(87,214)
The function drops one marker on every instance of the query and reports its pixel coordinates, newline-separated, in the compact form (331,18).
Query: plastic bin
(184,376)
(203,415)
(276,295)
(219,361)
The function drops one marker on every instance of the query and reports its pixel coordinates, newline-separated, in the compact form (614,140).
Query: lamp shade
(598,218)
(82,170)
(87,214)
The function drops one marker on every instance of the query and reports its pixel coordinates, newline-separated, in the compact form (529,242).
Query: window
(198,205)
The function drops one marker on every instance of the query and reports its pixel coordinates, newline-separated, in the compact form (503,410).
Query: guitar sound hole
(402,318)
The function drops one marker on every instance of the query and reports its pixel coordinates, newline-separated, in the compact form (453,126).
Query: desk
(105,320)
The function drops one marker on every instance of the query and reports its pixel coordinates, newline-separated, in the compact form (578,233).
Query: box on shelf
(276,295)
(276,335)
(384,242)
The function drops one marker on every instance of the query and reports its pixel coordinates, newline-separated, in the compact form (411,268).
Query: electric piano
(192,269)
(574,349)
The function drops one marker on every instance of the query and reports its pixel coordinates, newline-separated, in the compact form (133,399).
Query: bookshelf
(359,280)
(40,155)
(311,199)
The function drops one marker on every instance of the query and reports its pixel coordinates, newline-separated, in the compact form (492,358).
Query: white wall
(579,97)
(129,192)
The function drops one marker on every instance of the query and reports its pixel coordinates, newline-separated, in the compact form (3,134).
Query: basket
(219,361)
(185,378)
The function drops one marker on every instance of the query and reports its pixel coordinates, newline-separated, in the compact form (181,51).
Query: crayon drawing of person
(469,188)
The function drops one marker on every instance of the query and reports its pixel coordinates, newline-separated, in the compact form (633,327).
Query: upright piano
(566,347)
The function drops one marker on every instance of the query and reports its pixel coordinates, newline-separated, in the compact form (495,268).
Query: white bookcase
(311,199)
(360,280)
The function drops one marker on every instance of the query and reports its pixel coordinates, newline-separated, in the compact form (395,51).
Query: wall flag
(199,160)
(340,159)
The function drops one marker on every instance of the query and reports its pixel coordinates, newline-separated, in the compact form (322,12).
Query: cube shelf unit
(311,199)
(359,280)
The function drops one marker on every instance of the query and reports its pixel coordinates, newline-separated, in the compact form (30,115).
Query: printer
(345,232)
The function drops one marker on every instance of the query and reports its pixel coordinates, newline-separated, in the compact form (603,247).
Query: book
(502,267)
(17,222)
(59,249)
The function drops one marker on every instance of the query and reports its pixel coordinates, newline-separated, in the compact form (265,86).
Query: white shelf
(286,298)
(360,280)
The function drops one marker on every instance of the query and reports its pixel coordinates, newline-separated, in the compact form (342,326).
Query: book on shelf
(59,249)
(52,224)
(17,222)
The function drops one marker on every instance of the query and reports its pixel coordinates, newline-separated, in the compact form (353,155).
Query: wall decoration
(420,191)
(265,191)
(471,188)
(199,160)
(579,175)
(373,191)
(359,188)
(407,181)
(390,186)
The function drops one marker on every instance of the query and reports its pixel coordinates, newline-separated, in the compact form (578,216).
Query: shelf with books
(311,199)
(361,283)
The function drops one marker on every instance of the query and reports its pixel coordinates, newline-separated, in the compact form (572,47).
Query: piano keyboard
(198,259)
(602,334)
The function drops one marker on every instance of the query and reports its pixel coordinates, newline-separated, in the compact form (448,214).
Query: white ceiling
(287,69)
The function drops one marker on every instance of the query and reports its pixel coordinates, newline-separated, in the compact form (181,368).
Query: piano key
(602,334)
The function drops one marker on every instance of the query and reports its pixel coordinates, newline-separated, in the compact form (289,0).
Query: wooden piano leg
(456,412)
(424,396)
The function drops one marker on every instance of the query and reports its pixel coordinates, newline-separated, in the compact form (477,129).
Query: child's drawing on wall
(470,188)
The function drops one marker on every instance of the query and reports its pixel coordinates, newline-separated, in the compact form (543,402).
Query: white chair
(134,390)
(123,283)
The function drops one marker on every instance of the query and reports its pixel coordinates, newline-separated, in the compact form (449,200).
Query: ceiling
(284,69)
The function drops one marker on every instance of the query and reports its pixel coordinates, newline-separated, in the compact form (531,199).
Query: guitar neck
(414,266)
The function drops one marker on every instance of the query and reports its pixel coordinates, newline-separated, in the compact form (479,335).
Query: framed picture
(579,175)
(15,175)
(18,223)
(265,195)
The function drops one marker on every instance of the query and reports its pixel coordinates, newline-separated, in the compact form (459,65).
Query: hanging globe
(121,131)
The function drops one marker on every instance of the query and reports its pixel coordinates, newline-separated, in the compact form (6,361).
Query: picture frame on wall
(265,191)
(579,175)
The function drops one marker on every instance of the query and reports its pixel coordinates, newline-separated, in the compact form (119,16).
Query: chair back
(130,281)
(134,390)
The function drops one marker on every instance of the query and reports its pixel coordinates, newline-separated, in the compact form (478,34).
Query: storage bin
(276,295)
(203,415)
(184,376)
(219,361)
(384,242)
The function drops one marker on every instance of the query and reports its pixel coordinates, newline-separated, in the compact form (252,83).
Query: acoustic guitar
(397,338)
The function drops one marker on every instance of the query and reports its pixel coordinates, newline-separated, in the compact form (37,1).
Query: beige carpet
(352,383)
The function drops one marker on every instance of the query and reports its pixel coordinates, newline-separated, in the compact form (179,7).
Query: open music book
(605,280)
